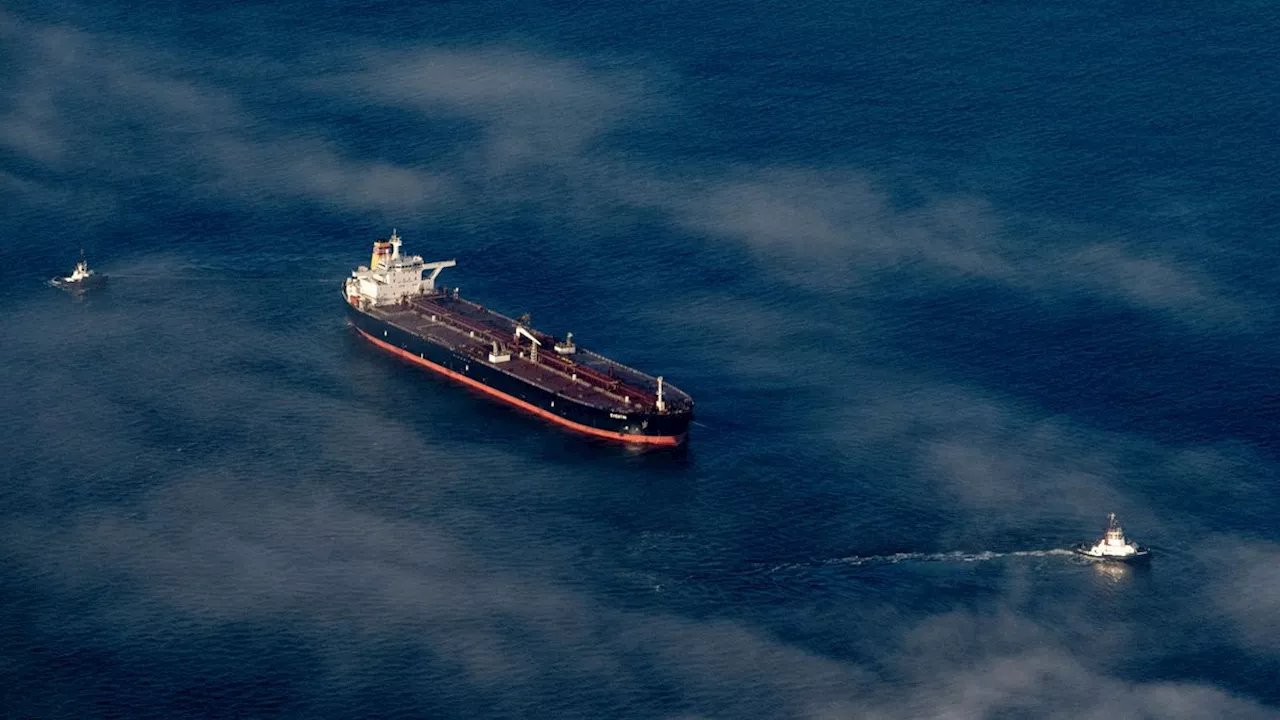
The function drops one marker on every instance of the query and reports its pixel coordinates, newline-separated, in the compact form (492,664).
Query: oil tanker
(396,305)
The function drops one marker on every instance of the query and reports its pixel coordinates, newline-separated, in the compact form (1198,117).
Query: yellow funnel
(381,253)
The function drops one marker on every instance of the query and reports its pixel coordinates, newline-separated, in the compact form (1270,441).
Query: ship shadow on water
(98,298)
(576,448)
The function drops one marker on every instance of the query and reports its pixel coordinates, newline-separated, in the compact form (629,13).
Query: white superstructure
(81,272)
(391,277)
(1113,544)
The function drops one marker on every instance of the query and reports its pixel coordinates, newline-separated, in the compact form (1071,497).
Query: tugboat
(81,280)
(1114,546)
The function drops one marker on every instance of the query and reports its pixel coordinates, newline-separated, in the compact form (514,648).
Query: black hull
(643,428)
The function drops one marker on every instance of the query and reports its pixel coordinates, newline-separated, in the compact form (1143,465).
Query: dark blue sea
(948,282)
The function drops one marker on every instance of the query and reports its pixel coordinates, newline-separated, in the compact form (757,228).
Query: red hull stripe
(644,439)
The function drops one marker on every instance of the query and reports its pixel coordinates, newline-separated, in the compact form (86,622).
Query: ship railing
(443,315)
(492,333)
(610,391)
(571,370)
(681,397)
(600,380)
(543,338)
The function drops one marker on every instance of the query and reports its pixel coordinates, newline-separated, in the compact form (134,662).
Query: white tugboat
(1114,546)
(82,279)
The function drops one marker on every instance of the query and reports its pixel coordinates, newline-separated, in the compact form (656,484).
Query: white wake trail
(954,556)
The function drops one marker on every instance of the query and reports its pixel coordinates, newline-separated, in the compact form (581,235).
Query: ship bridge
(392,278)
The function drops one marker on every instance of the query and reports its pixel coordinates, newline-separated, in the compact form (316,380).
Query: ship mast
(1115,535)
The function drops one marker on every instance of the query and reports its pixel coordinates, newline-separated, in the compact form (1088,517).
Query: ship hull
(1138,558)
(639,428)
(79,287)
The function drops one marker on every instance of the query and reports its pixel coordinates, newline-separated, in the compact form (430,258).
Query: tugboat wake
(954,556)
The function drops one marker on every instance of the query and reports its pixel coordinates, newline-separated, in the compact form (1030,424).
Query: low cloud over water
(213,488)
